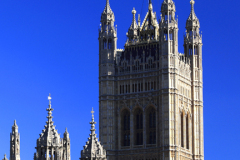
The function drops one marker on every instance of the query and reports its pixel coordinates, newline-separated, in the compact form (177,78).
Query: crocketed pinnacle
(5,157)
(15,126)
(192,20)
(134,23)
(107,8)
(66,134)
(49,110)
(49,135)
(150,7)
(92,124)
(93,148)
(192,15)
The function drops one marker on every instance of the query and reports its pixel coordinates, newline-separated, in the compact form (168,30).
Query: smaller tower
(14,143)
(193,50)
(168,28)
(5,157)
(107,55)
(93,150)
(66,146)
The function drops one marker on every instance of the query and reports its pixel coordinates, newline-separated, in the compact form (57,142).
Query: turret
(168,28)
(192,39)
(193,50)
(66,146)
(14,143)
(107,42)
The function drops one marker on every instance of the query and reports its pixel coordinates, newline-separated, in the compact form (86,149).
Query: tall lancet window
(125,127)
(109,44)
(138,126)
(151,126)
(187,131)
(190,52)
(182,138)
(104,44)
(165,35)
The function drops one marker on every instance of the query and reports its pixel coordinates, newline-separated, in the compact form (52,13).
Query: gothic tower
(107,51)
(66,146)
(15,143)
(151,105)
(193,50)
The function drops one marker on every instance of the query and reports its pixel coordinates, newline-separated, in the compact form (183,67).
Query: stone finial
(139,20)
(5,157)
(49,99)
(15,123)
(150,7)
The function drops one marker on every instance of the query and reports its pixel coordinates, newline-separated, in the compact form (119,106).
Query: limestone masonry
(151,101)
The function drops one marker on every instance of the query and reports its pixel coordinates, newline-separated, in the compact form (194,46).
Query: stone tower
(14,143)
(50,146)
(193,51)
(151,102)
(107,53)
(93,150)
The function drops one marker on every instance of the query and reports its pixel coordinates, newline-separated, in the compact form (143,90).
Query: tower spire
(93,147)
(107,8)
(49,110)
(150,7)
(92,124)
(192,15)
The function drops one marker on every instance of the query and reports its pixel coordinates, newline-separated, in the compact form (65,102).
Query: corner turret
(15,143)
(168,28)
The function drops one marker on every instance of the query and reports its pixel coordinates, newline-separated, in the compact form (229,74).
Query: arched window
(190,52)
(165,35)
(170,35)
(104,44)
(187,131)
(182,140)
(125,118)
(138,126)
(109,44)
(166,16)
(151,126)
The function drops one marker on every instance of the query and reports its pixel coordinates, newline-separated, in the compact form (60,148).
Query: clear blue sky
(51,46)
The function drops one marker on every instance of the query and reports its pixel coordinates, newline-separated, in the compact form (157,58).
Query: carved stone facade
(151,101)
